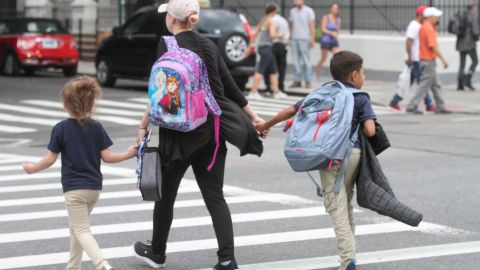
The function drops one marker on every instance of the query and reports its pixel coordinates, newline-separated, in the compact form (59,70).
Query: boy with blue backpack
(321,118)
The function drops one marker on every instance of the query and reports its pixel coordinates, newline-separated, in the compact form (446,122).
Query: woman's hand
(142,132)
(259,124)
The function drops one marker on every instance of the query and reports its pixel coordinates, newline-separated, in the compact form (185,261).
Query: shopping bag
(403,82)
(149,171)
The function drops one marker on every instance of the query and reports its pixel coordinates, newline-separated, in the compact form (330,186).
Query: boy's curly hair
(78,97)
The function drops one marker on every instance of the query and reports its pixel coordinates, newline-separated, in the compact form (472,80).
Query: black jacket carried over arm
(374,191)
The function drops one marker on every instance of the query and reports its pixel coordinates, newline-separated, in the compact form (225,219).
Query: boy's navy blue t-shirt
(80,147)
(362,111)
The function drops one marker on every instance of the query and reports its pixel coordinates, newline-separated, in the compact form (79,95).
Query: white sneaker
(279,95)
(254,95)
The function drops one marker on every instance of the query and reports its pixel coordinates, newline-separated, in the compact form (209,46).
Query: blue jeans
(301,60)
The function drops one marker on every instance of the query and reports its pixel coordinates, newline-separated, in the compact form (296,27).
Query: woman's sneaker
(254,96)
(279,95)
(144,252)
(348,265)
(228,265)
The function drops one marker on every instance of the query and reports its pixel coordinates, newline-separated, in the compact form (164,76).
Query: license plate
(49,44)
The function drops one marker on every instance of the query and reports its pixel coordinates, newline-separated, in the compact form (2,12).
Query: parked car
(132,48)
(32,43)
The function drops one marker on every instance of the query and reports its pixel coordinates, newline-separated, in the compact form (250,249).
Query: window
(135,25)
(4,28)
(44,27)
(218,21)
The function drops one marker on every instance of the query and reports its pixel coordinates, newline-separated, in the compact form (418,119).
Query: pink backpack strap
(171,42)
(217,141)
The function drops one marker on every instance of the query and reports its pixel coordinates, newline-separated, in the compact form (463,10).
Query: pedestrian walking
(180,150)
(279,50)
(83,142)
(346,67)
(331,24)
(467,46)
(429,51)
(266,32)
(412,61)
(302,29)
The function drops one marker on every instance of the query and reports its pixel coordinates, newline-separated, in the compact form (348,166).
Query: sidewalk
(466,102)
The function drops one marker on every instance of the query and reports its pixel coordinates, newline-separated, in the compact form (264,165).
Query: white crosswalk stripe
(29,114)
(124,199)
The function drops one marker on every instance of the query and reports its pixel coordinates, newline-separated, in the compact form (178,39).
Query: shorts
(267,64)
(329,45)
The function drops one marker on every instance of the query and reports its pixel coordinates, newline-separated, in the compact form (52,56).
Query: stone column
(87,11)
(38,8)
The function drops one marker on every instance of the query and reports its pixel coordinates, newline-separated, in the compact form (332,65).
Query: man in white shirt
(412,59)
(302,27)
(280,49)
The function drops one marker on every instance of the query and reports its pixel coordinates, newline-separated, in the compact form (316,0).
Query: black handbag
(379,141)
(149,171)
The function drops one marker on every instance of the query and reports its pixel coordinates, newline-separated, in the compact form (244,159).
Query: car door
(123,51)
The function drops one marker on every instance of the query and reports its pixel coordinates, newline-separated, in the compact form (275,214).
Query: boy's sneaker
(396,107)
(144,252)
(431,108)
(348,265)
(443,111)
(232,265)
(296,85)
(414,111)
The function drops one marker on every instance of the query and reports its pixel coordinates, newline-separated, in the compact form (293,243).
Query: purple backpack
(179,92)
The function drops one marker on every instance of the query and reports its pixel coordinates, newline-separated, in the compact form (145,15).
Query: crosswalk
(34,233)
(28,115)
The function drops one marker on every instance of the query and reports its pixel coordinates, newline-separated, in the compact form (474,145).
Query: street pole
(352,16)
(284,7)
(120,11)
(431,3)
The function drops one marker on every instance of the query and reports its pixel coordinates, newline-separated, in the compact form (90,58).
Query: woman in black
(179,150)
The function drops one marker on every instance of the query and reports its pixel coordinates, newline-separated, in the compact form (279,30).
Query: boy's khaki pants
(80,204)
(339,206)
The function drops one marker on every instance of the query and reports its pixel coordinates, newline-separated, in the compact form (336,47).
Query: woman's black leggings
(211,187)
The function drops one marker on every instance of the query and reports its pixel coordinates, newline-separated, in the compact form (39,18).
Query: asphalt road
(279,222)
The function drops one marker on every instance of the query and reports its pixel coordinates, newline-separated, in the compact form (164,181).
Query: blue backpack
(320,133)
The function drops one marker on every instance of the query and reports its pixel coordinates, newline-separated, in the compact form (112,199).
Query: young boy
(346,67)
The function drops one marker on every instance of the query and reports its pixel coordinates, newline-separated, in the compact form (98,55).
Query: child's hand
(262,129)
(28,167)
(132,150)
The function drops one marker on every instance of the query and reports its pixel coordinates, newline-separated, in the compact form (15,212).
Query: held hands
(132,150)
(28,167)
(262,129)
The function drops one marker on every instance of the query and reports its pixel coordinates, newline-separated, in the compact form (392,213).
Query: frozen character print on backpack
(171,102)
(167,95)
(160,83)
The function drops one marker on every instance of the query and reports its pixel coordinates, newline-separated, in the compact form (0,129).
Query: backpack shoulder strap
(171,42)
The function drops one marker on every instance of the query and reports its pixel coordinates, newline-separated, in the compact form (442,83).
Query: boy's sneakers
(443,111)
(144,252)
(228,265)
(431,108)
(396,107)
(414,111)
(348,265)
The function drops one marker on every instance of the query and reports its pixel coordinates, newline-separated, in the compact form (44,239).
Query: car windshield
(218,21)
(44,27)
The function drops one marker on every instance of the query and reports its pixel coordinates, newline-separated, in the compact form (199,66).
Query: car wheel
(241,82)
(70,71)
(233,48)
(104,73)
(11,66)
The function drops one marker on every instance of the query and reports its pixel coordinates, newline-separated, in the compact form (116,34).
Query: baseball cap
(180,9)
(432,12)
(420,9)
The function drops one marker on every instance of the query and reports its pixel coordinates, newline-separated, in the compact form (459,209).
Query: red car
(32,43)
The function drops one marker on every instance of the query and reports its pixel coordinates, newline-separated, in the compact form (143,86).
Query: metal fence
(387,16)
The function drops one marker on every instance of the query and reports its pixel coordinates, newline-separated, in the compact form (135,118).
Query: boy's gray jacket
(374,191)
